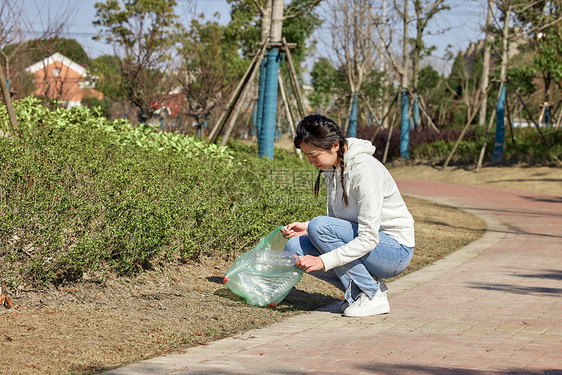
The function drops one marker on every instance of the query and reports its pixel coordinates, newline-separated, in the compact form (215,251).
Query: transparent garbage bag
(265,274)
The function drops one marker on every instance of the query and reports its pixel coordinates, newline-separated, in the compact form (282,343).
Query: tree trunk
(8,101)
(497,154)
(405,122)
(267,135)
(484,79)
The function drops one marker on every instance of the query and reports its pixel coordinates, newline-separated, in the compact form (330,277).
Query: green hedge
(79,193)
(527,146)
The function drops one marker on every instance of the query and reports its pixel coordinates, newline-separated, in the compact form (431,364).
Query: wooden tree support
(530,115)
(429,120)
(238,105)
(294,78)
(370,108)
(230,114)
(290,116)
(469,121)
(387,146)
(386,114)
(237,94)
(485,144)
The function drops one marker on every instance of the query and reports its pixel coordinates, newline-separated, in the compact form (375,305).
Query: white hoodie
(374,203)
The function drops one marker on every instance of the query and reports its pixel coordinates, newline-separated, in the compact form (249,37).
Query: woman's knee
(316,226)
(294,246)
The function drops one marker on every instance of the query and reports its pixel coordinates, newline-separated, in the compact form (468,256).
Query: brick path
(493,307)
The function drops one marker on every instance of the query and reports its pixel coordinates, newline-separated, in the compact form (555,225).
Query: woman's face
(322,159)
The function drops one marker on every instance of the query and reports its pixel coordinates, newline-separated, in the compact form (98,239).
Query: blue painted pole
(547,117)
(416,113)
(267,133)
(261,94)
(497,154)
(352,131)
(404,127)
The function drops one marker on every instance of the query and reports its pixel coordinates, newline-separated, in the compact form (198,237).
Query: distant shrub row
(526,145)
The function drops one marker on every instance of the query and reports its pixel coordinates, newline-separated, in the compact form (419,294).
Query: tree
(142,35)
(326,83)
(8,32)
(424,12)
(104,70)
(352,36)
(542,21)
(431,87)
(272,17)
(208,67)
(250,25)
(486,54)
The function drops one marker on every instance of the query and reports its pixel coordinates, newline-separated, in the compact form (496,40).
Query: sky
(463,24)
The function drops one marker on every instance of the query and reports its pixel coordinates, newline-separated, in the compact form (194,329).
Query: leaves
(81,194)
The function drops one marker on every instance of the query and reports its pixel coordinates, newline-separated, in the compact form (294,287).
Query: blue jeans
(387,259)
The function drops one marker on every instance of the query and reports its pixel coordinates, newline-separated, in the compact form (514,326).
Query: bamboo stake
(236,110)
(429,120)
(388,140)
(288,111)
(471,117)
(386,114)
(370,108)
(236,94)
(483,149)
(294,80)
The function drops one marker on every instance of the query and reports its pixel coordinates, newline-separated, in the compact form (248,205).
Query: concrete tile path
(493,307)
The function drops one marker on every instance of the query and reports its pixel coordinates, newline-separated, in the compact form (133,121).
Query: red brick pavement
(494,307)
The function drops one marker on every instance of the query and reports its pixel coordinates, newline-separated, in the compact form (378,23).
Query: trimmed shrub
(80,194)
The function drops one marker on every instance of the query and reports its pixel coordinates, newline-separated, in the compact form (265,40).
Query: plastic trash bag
(265,274)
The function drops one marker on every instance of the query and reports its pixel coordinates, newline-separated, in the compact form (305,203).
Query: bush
(526,145)
(419,141)
(82,194)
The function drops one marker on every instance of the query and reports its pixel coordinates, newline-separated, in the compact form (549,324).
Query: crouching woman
(368,233)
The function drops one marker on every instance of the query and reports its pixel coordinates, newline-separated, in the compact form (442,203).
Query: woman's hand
(295,229)
(310,263)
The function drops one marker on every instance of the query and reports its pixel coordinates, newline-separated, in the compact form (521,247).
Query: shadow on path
(518,289)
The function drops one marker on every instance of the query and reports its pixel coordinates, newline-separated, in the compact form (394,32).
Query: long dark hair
(321,132)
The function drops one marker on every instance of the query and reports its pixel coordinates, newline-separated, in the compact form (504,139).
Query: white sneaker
(364,306)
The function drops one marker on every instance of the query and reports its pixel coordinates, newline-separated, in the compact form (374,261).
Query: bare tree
(204,73)
(353,41)
(9,32)
(142,36)
(484,79)
(424,12)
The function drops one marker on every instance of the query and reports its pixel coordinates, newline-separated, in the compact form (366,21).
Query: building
(58,77)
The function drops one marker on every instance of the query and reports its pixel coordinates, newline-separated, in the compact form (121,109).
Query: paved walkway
(493,307)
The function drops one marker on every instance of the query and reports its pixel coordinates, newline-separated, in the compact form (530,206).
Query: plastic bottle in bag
(273,258)
(265,274)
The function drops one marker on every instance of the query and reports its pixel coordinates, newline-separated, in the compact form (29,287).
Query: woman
(368,233)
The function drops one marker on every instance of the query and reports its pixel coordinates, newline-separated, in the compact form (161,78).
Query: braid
(317,185)
(340,155)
